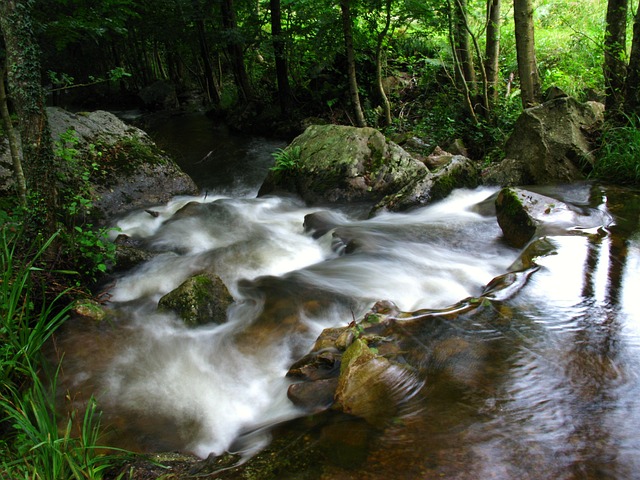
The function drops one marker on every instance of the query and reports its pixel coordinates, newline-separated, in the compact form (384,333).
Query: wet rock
(199,300)
(366,384)
(459,172)
(313,396)
(513,211)
(551,143)
(88,310)
(524,214)
(337,164)
(130,253)
(319,223)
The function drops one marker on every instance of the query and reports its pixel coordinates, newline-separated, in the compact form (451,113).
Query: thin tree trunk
(230,24)
(211,83)
(462,45)
(632,85)
(457,65)
(14,144)
(615,53)
(386,106)
(492,51)
(351,62)
(526,53)
(282,74)
(25,88)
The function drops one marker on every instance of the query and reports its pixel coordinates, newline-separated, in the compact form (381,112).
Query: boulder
(458,172)
(337,164)
(523,215)
(132,172)
(199,300)
(551,143)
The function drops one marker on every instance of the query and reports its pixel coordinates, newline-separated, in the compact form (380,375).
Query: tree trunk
(615,52)
(230,24)
(351,62)
(14,145)
(23,60)
(462,44)
(492,50)
(526,53)
(386,106)
(210,82)
(282,74)
(632,87)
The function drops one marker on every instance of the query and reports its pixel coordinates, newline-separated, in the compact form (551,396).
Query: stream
(544,384)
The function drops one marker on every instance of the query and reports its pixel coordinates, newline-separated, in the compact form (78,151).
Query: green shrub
(618,160)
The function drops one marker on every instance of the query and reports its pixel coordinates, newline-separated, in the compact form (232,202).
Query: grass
(36,442)
(618,160)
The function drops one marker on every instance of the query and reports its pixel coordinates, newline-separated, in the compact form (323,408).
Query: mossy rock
(199,300)
(337,163)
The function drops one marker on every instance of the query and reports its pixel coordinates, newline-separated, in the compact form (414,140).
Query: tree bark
(526,53)
(632,87)
(386,106)
(211,82)
(282,73)
(463,45)
(23,61)
(615,52)
(14,144)
(492,50)
(230,24)
(347,27)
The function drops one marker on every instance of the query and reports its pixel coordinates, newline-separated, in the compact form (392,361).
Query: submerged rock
(199,300)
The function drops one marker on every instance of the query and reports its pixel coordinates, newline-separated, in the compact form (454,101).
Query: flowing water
(543,383)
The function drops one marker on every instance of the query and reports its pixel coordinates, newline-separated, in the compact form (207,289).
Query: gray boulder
(551,143)
(132,171)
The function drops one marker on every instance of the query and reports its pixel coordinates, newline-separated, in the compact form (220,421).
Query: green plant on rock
(87,246)
(286,159)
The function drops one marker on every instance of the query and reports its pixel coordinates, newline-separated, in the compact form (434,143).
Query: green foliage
(618,160)
(87,247)
(32,445)
(26,322)
(286,159)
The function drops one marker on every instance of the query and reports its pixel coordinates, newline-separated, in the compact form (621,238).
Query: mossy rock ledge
(199,300)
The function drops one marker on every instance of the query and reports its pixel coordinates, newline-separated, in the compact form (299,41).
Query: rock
(130,253)
(336,164)
(459,172)
(199,300)
(313,396)
(88,310)
(523,214)
(366,385)
(132,172)
(550,144)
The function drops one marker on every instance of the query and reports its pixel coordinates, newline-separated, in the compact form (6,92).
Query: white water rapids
(213,388)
